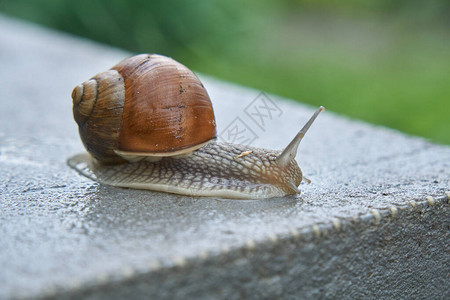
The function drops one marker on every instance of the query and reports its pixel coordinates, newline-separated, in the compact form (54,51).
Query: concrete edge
(313,233)
(323,229)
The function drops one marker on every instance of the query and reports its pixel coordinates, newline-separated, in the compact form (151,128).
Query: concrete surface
(374,223)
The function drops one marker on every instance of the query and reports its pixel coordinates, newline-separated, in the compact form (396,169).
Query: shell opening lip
(164,154)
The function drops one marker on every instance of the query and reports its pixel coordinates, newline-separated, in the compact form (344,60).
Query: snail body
(213,170)
(148,123)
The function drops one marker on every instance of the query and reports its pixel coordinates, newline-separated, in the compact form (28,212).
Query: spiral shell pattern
(98,108)
(146,105)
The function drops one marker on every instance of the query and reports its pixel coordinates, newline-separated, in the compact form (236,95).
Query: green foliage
(386,61)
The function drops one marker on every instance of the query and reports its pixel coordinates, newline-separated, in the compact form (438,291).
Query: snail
(148,123)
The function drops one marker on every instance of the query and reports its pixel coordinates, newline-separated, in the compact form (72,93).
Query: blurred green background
(386,62)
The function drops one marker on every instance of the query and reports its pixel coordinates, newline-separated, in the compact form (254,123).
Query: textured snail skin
(215,170)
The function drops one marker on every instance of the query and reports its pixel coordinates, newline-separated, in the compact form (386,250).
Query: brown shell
(146,105)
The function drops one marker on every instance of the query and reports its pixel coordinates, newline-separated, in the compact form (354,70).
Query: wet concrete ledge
(374,223)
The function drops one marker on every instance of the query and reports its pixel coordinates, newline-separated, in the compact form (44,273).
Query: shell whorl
(98,108)
(167,108)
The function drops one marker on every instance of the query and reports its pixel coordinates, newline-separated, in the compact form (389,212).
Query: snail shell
(146,105)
